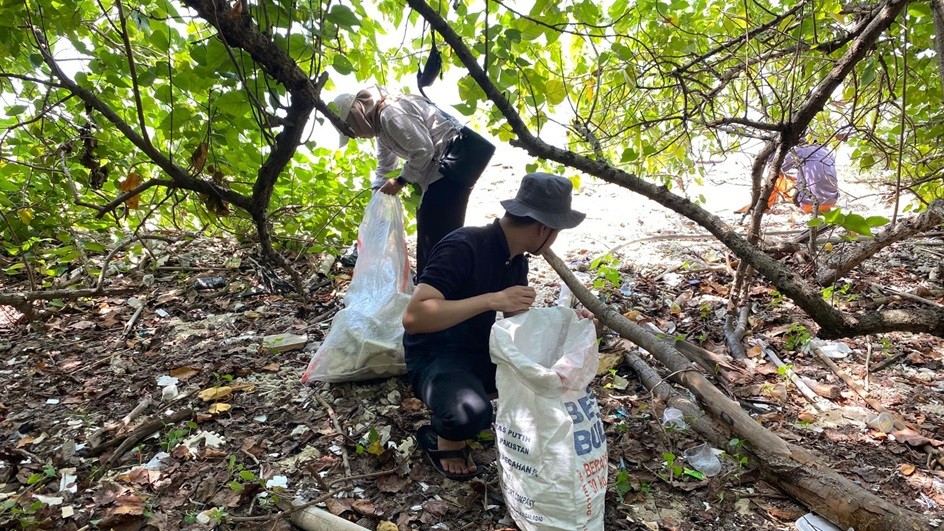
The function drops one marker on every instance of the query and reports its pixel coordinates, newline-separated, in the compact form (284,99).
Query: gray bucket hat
(546,198)
(343,102)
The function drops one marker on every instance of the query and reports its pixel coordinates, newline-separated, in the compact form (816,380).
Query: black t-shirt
(469,261)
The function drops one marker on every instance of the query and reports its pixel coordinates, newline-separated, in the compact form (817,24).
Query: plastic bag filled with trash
(552,458)
(366,337)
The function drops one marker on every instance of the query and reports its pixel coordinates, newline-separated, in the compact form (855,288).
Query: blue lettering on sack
(586,441)
(593,436)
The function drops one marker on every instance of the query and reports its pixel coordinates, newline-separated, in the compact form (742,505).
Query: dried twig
(127,441)
(129,326)
(875,404)
(908,296)
(337,428)
(807,393)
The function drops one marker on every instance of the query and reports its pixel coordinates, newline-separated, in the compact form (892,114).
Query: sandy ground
(616,215)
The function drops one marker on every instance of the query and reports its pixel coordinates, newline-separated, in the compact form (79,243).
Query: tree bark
(937,14)
(792,468)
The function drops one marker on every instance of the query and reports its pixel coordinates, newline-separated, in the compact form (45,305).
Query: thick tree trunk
(794,469)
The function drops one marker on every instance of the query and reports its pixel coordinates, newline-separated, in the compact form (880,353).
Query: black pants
(455,386)
(441,212)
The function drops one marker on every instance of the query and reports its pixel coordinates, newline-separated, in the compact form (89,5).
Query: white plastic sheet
(551,445)
(366,337)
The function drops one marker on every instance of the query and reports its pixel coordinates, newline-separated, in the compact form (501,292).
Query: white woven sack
(550,439)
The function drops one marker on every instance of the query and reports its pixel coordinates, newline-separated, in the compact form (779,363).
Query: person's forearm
(433,315)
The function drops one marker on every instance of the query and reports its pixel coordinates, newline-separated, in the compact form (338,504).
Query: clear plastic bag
(366,337)
(703,459)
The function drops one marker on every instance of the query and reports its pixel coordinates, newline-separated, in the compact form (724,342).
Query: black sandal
(428,441)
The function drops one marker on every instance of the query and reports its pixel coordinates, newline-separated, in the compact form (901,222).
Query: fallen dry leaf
(140,476)
(806,416)
(215,393)
(128,504)
(338,507)
(436,507)
(608,361)
(392,483)
(220,407)
(127,184)
(366,508)
(183,373)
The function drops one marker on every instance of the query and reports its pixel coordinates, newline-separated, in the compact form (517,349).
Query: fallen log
(792,468)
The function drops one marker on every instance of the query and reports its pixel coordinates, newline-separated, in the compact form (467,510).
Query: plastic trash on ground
(812,522)
(831,349)
(552,457)
(703,459)
(366,337)
(675,418)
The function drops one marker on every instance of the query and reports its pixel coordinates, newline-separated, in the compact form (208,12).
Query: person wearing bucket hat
(472,274)
(411,128)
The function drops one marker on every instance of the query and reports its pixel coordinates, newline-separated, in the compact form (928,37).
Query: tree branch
(133,192)
(178,174)
(842,263)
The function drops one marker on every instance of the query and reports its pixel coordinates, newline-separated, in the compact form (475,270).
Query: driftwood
(793,469)
(885,363)
(824,390)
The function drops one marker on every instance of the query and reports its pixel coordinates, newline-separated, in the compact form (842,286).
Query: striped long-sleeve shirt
(415,130)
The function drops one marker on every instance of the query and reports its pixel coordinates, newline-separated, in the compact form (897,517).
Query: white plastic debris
(155,462)
(208,438)
(49,500)
(169,393)
(883,422)
(831,349)
(67,480)
(52,401)
(812,522)
(703,459)
(277,482)
(166,380)
(675,418)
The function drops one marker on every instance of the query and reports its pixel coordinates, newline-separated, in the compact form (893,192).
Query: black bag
(466,157)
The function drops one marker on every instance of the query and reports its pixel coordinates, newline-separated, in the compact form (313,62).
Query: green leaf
(857,223)
(694,473)
(342,65)
(343,16)
(834,217)
(877,221)
(815,222)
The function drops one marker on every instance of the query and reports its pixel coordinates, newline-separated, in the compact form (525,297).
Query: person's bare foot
(455,465)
